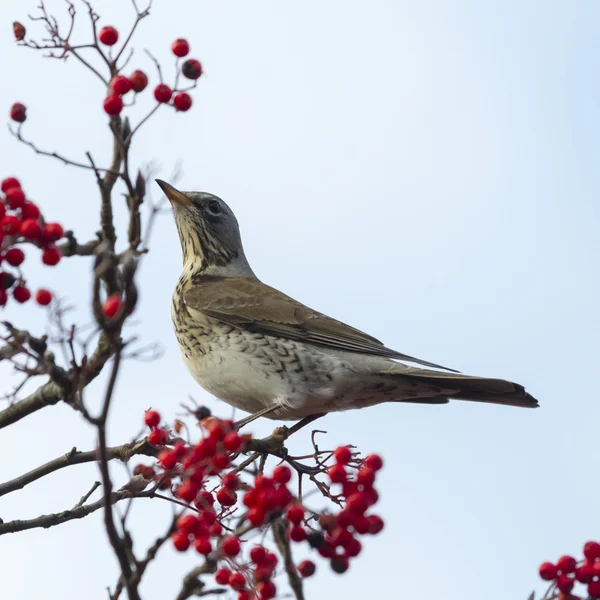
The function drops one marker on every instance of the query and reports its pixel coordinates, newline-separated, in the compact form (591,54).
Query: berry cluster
(21,222)
(202,476)
(138,80)
(566,572)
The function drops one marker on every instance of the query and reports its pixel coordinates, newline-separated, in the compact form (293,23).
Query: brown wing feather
(260,308)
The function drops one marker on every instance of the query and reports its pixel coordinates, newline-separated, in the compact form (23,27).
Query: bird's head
(209,233)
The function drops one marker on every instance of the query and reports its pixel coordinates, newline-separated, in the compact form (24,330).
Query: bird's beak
(174,195)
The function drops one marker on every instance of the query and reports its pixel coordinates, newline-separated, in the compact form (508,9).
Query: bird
(261,351)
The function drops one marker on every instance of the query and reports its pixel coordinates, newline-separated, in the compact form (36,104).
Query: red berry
(307,568)
(192,69)
(365,477)
(374,462)
(282,474)
(371,496)
(14,256)
(15,197)
(337,473)
(182,101)
(237,581)
(339,564)
(231,481)
(21,294)
(30,229)
(167,459)
(187,490)
(121,85)
(295,513)
(204,500)
(231,545)
(271,560)
(203,545)
(266,590)
(222,576)
(353,547)
(548,571)
(158,437)
(3,297)
(375,524)
(162,92)
(9,224)
(565,583)
(113,104)
(298,533)
(263,572)
(232,442)
(29,210)
(594,589)
(221,461)
(152,418)
(585,573)
(139,81)
(108,35)
(245,595)
(51,256)
(347,518)
(9,182)
(18,112)
(566,564)
(111,306)
(357,503)
(43,297)
(205,448)
(180,47)
(216,529)
(591,550)
(342,455)
(226,497)
(181,541)
(2,213)
(258,555)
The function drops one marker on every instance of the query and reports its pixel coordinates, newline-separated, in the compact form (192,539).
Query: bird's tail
(431,387)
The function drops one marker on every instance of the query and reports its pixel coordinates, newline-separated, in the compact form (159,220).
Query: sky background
(426,171)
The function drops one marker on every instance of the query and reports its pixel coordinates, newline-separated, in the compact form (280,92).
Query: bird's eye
(214,208)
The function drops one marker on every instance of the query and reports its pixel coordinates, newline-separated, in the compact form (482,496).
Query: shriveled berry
(108,35)
(111,306)
(222,576)
(282,474)
(337,473)
(43,297)
(191,68)
(15,197)
(51,256)
(158,437)
(21,294)
(9,182)
(180,47)
(374,462)
(152,418)
(113,104)
(295,513)
(7,280)
(339,564)
(181,541)
(315,539)
(139,81)
(18,112)
(162,92)
(231,545)
(121,85)
(307,568)
(145,471)
(30,229)
(182,102)
(342,455)
(566,564)
(29,210)
(14,256)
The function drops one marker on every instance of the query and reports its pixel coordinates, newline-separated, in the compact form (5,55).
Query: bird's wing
(254,306)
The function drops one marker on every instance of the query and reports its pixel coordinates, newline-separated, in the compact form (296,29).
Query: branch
(76,457)
(283,544)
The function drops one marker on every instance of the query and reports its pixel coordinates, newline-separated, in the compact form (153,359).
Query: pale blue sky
(426,171)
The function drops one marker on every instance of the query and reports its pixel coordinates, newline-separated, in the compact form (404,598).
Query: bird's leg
(304,422)
(243,422)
